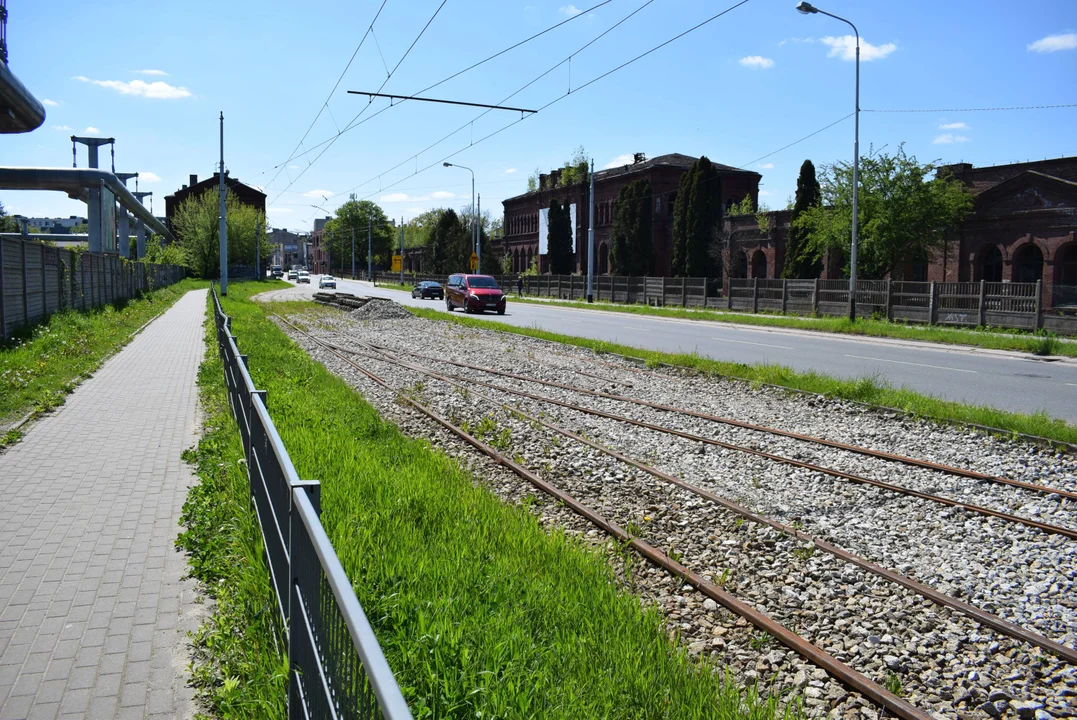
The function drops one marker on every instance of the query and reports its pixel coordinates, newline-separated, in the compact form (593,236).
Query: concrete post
(3,308)
(704,293)
(729,295)
(258,274)
(755,295)
(684,292)
(785,296)
(25,305)
(931,300)
(1039,304)
(815,298)
(982,319)
(591,240)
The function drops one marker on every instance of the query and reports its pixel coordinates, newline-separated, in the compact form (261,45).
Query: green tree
(680,220)
(744,207)
(559,238)
(7,223)
(631,251)
(902,215)
(697,215)
(450,245)
(354,216)
(162,253)
(196,224)
(419,230)
(800,260)
(575,169)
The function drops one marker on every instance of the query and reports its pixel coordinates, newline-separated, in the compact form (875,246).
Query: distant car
(277,271)
(293,275)
(328,281)
(428,289)
(304,277)
(474,293)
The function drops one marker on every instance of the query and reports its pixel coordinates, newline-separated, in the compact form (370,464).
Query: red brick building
(664,172)
(1021,229)
(245,193)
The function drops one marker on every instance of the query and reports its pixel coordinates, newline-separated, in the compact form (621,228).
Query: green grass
(1038,343)
(481,613)
(42,363)
(870,390)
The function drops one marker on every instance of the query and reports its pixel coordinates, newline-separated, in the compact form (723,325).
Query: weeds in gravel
(481,613)
(872,391)
(760,640)
(893,684)
(804,553)
(723,579)
(10,438)
(42,363)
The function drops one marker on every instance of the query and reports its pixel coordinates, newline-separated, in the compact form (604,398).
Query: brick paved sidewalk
(93,612)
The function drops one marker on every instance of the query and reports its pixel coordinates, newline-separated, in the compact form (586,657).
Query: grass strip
(240,666)
(41,364)
(869,390)
(480,612)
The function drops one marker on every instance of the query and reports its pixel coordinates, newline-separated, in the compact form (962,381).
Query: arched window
(991,264)
(759,264)
(603,259)
(1028,264)
(1066,264)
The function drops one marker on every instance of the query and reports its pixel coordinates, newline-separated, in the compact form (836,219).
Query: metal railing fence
(336,666)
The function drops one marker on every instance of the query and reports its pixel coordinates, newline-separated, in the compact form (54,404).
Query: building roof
(673,160)
(214,181)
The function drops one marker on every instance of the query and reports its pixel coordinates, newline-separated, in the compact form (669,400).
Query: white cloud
(796,40)
(154,90)
(1054,43)
(509,171)
(626,159)
(399,197)
(569,10)
(442,195)
(150,177)
(954,126)
(395,198)
(845,48)
(62,128)
(765,166)
(92,131)
(949,139)
(151,72)
(756,62)
(317,193)
(50,103)
(276,210)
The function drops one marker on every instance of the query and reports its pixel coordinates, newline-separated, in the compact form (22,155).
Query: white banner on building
(544,227)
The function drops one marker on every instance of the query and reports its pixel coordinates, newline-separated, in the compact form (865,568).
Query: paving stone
(93,496)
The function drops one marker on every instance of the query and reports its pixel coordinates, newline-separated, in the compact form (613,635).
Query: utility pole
(259,275)
(353,252)
(591,241)
(401,250)
(370,248)
(223,231)
(478,236)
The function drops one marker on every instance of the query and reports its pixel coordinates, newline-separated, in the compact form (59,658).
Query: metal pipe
(24,112)
(77,183)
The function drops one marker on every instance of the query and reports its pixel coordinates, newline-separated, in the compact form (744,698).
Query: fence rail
(37,280)
(336,667)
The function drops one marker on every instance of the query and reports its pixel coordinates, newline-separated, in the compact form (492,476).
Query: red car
(474,293)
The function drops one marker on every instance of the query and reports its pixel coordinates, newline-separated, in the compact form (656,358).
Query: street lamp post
(809,9)
(474,233)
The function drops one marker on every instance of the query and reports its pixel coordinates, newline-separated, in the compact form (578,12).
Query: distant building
(61,226)
(288,247)
(245,193)
(664,172)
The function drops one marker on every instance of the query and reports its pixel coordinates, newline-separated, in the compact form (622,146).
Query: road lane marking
(1072,384)
(746,342)
(902,362)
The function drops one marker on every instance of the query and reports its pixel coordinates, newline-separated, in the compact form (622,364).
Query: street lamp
(809,9)
(475,246)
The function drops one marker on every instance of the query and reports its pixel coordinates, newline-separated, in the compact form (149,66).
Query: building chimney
(543,177)
(183,188)
(638,158)
(194,180)
(555,178)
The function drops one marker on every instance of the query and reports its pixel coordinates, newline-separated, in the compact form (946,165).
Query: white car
(304,277)
(327,281)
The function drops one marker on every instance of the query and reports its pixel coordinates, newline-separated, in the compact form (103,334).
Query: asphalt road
(1008,381)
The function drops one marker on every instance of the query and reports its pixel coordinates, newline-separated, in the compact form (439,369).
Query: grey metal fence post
(851,300)
(25,306)
(755,295)
(931,304)
(785,296)
(704,293)
(889,299)
(44,285)
(982,318)
(1039,304)
(3,307)
(815,298)
(684,292)
(729,296)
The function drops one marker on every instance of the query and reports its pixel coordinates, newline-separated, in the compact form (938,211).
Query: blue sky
(155,76)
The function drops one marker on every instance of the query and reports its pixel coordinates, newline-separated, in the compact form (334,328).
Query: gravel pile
(380,309)
(941,661)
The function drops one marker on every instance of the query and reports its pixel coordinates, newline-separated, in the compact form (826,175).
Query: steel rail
(963,472)
(978,615)
(845,674)
(1017,519)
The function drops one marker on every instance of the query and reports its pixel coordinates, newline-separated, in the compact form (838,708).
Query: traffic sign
(398,260)
(474,262)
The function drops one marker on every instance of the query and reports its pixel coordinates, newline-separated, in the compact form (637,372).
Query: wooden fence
(969,304)
(37,280)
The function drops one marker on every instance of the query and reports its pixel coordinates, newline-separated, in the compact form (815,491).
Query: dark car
(474,293)
(428,289)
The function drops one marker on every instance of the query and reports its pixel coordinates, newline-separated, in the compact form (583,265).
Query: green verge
(480,611)
(1037,343)
(870,390)
(42,363)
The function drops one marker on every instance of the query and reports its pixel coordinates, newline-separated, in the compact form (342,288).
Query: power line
(560,97)
(981,109)
(461,72)
(380,88)
(369,30)
(797,142)
(471,122)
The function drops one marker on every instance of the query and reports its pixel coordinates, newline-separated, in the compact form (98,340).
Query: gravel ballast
(937,659)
